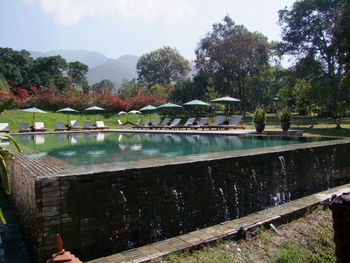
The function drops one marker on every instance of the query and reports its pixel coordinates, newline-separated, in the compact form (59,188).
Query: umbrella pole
(33,117)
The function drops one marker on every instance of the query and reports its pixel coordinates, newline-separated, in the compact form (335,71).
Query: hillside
(115,70)
(90,58)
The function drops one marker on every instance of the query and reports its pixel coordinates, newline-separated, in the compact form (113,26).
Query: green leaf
(13,140)
(4,177)
(2,218)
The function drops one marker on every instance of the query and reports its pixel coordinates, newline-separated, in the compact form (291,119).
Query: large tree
(163,66)
(15,66)
(231,54)
(308,31)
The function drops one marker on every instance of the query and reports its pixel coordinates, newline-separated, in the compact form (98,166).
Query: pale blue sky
(135,27)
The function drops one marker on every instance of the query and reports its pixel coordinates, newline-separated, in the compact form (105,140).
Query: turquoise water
(98,148)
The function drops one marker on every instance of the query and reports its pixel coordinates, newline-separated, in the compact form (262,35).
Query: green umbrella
(148,108)
(94,108)
(196,104)
(169,106)
(34,110)
(67,110)
(227,101)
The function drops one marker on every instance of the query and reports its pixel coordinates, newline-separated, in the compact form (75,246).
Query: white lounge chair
(39,127)
(101,125)
(4,127)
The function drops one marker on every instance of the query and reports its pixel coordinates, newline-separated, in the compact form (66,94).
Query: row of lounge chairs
(60,126)
(220,123)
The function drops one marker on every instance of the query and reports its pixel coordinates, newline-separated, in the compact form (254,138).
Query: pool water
(98,148)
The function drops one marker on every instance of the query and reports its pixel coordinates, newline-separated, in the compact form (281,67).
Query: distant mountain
(116,70)
(90,58)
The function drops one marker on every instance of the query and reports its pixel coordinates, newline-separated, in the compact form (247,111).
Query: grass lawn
(308,239)
(323,126)
(15,117)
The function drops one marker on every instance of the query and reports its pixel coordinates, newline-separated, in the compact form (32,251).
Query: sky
(128,27)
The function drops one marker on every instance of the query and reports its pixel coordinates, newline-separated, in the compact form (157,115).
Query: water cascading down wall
(102,212)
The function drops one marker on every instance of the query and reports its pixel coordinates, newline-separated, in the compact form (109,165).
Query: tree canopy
(309,32)
(230,54)
(162,66)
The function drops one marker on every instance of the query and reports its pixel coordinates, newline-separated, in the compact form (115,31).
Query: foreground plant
(6,154)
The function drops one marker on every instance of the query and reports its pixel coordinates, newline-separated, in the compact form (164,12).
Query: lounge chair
(74,125)
(234,123)
(145,125)
(187,124)
(4,127)
(164,124)
(24,127)
(88,126)
(101,125)
(60,126)
(39,127)
(219,120)
(173,124)
(202,123)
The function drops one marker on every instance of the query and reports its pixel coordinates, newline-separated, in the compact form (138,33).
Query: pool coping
(233,229)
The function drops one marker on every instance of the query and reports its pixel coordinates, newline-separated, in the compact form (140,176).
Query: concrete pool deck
(228,229)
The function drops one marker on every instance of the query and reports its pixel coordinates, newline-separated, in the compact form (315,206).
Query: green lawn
(323,126)
(15,117)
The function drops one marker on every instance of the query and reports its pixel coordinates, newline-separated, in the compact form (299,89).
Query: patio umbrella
(169,106)
(95,108)
(134,112)
(121,113)
(196,104)
(226,101)
(148,108)
(34,110)
(67,110)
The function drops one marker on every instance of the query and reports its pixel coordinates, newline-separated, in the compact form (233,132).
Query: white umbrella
(121,112)
(135,112)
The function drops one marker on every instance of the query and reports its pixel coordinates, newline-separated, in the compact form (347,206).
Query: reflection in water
(99,147)
(39,139)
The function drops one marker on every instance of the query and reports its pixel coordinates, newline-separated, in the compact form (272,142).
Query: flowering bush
(48,99)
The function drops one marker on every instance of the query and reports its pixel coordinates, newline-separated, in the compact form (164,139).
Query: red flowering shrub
(48,99)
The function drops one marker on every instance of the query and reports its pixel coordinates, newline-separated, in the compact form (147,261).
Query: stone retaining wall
(101,213)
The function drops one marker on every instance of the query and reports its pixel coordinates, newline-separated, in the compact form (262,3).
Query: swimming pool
(116,202)
(82,149)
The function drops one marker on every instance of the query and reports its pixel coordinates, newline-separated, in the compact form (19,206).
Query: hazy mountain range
(100,66)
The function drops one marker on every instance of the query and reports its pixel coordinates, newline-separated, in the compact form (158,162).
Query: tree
(50,71)
(77,72)
(230,53)
(15,66)
(103,87)
(163,66)
(308,30)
